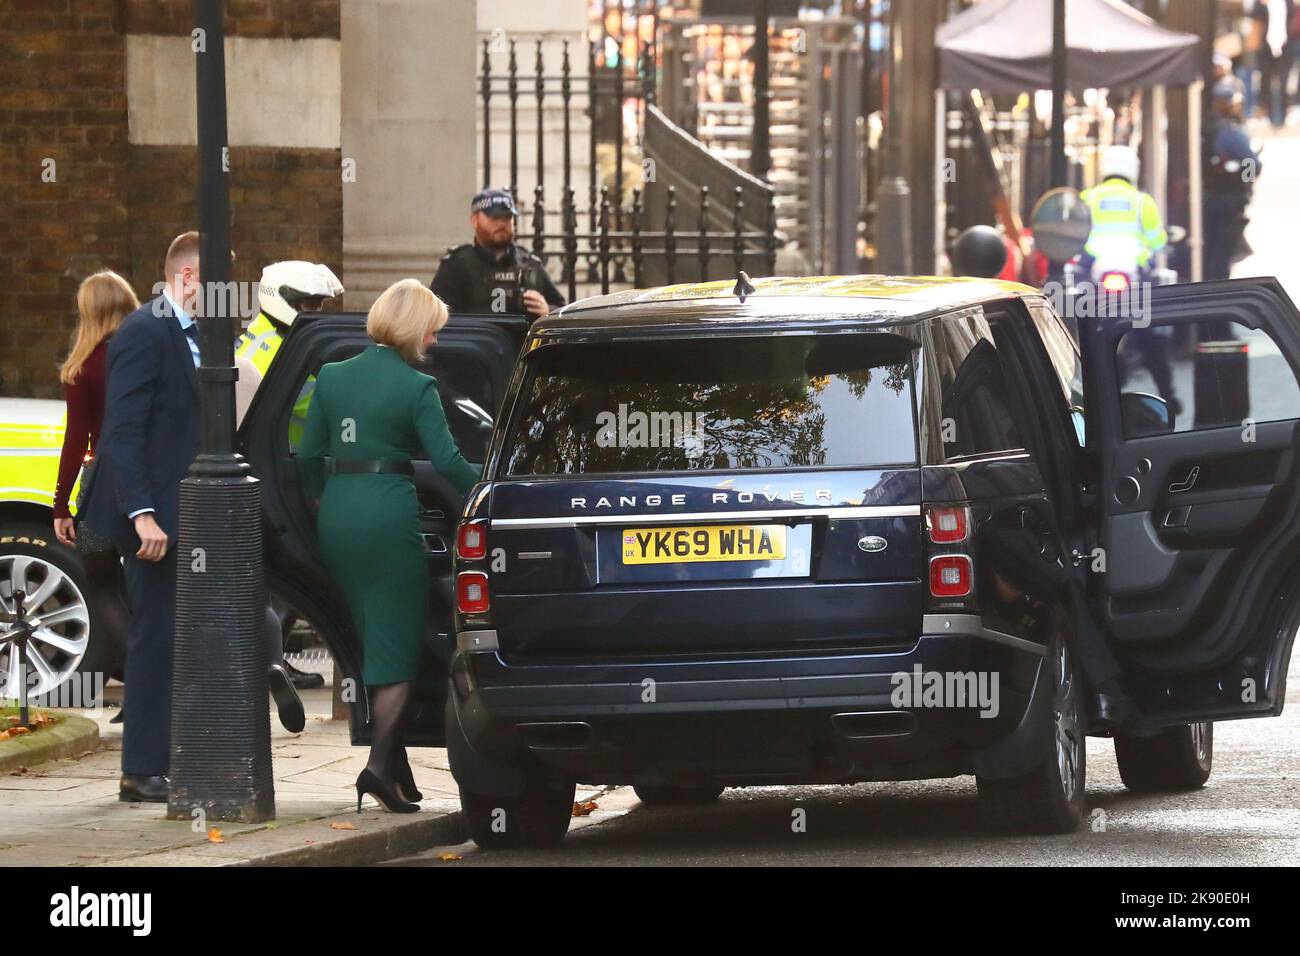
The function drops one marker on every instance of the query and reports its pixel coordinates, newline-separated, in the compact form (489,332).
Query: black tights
(388,706)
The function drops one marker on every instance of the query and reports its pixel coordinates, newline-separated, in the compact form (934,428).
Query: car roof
(860,299)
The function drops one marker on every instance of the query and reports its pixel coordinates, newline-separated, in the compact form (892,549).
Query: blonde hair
(403,315)
(103,301)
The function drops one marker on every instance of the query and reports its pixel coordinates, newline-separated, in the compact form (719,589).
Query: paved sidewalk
(67,813)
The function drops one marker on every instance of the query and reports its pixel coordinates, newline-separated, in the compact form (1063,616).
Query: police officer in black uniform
(1232,168)
(492,275)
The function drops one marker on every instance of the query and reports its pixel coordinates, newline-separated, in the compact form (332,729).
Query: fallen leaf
(450,857)
(214,835)
(585,809)
(18,731)
(342,826)
(18,773)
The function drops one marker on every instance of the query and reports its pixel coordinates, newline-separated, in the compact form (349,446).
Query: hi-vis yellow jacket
(259,343)
(1123,218)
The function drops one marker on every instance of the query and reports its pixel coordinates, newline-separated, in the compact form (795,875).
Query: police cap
(494,202)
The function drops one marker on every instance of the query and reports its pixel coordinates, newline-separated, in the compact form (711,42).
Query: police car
(32,560)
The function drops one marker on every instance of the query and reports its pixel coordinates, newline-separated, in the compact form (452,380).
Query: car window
(975,413)
(1199,375)
(1063,352)
(702,403)
(465,387)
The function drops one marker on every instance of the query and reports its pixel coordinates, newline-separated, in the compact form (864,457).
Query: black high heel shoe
(405,779)
(384,792)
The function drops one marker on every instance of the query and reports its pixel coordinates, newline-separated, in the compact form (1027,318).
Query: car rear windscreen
(708,403)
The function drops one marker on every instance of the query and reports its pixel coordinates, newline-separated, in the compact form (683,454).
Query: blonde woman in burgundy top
(103,300)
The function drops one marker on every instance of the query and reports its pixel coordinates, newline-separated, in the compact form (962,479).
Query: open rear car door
(1195,401)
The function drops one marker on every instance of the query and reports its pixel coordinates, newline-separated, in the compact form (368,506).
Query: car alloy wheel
(1066,718)
(59,617)
(1200,732)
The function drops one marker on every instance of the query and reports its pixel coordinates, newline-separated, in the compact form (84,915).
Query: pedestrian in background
(1275,56)
(103,301)
(371,415)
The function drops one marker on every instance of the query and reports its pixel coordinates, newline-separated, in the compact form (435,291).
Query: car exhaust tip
(857,725)
(557,735)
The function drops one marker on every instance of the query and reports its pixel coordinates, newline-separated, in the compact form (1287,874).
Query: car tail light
(472,592)
(951,576)
(948,525)
(1114,282)
(471,541)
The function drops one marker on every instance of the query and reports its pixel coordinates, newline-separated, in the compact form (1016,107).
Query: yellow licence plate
(744,542)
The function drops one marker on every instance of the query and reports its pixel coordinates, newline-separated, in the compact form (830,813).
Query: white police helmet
(286,284)
(1120,161)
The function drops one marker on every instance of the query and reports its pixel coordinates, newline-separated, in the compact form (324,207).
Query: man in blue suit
(149,438)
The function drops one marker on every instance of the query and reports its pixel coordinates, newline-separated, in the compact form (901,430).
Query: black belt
(370,466)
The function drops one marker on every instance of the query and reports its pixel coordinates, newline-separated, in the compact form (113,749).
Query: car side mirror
(1145,414)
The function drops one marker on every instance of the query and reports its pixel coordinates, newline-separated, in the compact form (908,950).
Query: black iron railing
(602,233)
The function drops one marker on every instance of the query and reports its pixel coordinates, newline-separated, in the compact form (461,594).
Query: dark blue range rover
(837,530)
(845,530)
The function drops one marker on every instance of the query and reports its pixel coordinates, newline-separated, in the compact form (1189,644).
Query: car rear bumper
(962,699)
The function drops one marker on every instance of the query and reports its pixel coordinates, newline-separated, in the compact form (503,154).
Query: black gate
(592,217)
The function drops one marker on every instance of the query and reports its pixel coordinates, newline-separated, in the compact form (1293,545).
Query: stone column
(407,138)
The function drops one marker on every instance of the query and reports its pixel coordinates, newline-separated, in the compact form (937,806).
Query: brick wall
(62,118)
(286,204)
(290,19)
(117,205)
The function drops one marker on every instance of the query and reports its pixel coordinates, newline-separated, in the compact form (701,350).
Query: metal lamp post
(894,197)
(220,732)
(1060,79)
(761,152)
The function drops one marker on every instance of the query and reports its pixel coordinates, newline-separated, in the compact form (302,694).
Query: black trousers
(1223,223)
(147,701)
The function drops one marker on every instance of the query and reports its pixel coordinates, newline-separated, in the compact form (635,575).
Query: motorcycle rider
(1126,223)
(1127,232)
(286,289)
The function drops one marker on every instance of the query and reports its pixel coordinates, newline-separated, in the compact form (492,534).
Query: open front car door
(472,362)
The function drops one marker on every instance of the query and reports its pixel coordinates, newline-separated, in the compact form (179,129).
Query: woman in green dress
(371,415)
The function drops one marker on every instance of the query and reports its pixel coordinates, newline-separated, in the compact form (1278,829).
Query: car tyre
(666,795)
(1051,798)
(537,817)
(1178,760)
